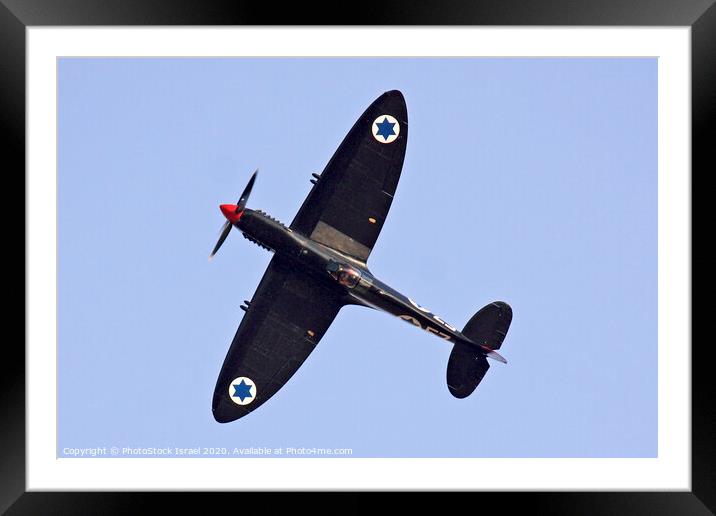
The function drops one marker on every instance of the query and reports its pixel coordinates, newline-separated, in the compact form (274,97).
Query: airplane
(320,265)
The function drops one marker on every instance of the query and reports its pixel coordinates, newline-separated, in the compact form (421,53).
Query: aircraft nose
(229,211)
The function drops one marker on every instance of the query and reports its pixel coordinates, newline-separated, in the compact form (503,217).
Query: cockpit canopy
(343,274)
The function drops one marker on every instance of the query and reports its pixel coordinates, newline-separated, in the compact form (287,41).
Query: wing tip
(223,415)
(395,95)
(394,101)
(225,411)
(220,417)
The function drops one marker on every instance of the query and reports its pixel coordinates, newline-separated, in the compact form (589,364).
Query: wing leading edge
(286,319)
(347,207)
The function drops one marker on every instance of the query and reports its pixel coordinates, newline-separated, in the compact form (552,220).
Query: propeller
(233,213)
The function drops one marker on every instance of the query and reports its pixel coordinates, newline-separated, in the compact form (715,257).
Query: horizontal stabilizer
(466,368)
(488,327)
(468,363)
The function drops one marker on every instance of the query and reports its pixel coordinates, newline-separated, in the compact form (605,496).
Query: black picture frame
(17,15)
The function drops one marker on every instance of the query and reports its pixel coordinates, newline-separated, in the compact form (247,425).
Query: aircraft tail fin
(467,364)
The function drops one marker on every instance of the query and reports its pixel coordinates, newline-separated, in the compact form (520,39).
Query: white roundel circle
(385,129)
(242,390)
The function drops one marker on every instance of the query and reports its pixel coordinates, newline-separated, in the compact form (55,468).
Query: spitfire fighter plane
(320,265)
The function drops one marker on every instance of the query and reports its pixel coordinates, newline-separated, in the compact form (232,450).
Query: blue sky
(532,181)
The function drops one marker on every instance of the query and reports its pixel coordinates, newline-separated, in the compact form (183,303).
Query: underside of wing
(347,207)
(288,315)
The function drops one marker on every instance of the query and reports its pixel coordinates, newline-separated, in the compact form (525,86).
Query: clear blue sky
(532,181)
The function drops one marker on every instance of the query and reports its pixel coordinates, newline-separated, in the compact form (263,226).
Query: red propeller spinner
(230,212)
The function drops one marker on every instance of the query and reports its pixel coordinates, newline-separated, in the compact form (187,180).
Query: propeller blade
(241,204)
(225,230)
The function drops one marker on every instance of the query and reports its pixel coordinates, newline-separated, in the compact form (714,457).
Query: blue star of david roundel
(386,129)
(242,390)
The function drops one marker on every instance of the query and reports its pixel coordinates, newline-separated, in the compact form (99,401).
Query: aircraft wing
(348,205)
(287,317)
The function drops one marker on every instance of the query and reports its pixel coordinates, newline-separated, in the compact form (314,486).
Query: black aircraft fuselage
(352,278)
